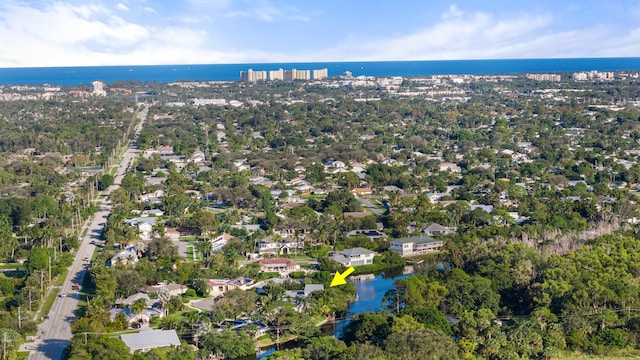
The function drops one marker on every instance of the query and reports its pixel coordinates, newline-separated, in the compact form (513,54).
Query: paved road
(55,332)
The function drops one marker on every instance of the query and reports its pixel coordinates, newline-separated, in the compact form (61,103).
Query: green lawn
(190,254)
(11,266)
(49,302)
(86,291)
(60,279)
(300,257)
(265,342)
(21,355)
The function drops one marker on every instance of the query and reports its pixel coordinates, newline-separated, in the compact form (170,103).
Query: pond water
(370,289)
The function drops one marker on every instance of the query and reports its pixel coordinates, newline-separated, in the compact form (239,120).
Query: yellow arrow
(340,279)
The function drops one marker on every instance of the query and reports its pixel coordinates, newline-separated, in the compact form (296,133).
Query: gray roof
(309,288)
(356,251)
(131,299)
(436,227)
(422,239)
(150,339)
(139,220)
(341,259)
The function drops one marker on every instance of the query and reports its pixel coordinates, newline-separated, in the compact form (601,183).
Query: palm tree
(138,306)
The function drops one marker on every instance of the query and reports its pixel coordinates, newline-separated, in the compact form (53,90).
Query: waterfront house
(415,245)
(354,257)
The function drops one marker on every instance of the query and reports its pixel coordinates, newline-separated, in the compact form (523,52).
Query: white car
(63,294)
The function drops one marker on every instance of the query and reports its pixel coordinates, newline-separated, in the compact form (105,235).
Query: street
(54,333)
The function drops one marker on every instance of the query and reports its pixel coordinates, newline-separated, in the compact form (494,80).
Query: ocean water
(73,76)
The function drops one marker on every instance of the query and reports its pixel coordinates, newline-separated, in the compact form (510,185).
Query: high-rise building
(303,75)
(98,88)
(545,77)
(320,74)
(253,76)
(276,74)
(289,75)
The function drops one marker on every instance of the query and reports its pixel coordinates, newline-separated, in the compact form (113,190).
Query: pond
(370,290)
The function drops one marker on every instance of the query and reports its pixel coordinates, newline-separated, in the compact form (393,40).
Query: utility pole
(41,285)
(4,345)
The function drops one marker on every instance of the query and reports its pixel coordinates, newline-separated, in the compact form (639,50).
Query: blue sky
(138,32)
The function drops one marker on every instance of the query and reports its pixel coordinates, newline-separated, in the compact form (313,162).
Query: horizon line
(318,62)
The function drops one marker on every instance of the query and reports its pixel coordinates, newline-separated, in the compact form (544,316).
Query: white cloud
(122,7)
(61,34)
(267,12)
(66,35)
(483,36)
(454,11)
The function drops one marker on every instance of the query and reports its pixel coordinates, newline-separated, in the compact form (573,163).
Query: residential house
(197,157)
(372,234)
(335,164)
(354,257)
(172,233)
(308,289)
(362,191)
(219,242)
(146,315)
(173,289)
(259,328)
(152,212)
(281,265)
(448,166)
(251,228)
(356,214)
(133,298)
(437,229)
(125,257)
(217,287)
(415,245)
(153,197)
(392,189)
(144,225)
(287,230)
(486,208)
(270,246)
(147,340)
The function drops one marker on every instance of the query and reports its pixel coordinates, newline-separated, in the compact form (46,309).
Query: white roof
(150,339)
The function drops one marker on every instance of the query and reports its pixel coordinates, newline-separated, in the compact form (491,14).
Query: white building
(270,246)
(276,75)
(320,74)
(415,245)
(98,88)
(354,257)
(253,76)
